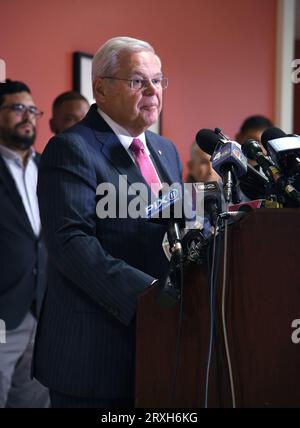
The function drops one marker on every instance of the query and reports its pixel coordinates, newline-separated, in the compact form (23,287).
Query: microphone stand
(230,186)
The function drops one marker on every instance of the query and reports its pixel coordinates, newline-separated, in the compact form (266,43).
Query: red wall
(219,55)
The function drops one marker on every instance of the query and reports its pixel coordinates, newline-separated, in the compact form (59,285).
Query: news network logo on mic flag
(160,206)
(229,153)
(183,203)
(237,153)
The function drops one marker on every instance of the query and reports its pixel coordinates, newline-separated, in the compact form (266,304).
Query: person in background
(199,166)
(67,109)
(252,129)
(22,251)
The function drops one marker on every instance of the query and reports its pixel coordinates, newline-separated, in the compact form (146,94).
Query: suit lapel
(8,182)
(112,148)
(114,151)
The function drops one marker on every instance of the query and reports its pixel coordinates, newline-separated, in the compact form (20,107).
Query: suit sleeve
(67,200)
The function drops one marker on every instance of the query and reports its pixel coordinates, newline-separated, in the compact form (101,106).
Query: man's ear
(99,89)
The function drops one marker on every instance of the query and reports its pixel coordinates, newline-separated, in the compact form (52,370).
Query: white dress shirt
(125,138)
(25,177)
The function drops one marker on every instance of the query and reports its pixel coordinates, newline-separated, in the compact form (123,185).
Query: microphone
(252,150)
(253,183)
(207,140)
(271,134)
(212,201)
(195,246)
(283,149)
(227,160)
(168,209)
(230,163)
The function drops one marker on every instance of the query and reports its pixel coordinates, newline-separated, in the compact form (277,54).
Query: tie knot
(137,146)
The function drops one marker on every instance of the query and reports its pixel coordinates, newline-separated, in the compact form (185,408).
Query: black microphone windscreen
(253,184)
(207,140)
(271,134)
(250,148)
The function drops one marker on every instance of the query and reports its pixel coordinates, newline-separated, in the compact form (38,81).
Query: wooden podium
(262,301)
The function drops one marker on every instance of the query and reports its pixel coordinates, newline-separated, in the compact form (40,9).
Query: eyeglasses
(137,84)
(20,109)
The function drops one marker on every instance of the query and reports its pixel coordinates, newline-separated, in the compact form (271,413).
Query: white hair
(106,59)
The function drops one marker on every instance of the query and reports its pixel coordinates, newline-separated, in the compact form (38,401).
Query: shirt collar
(11,155)
(122,133)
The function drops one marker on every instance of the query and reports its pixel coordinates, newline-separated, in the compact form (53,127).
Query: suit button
(34,271)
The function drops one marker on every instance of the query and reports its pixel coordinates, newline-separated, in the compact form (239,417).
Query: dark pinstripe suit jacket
(85,342)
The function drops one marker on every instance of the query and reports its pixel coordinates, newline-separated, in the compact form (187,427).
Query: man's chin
(151,119)
(23,142)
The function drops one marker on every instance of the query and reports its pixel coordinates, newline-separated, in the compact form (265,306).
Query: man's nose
(150,89)
(29,116)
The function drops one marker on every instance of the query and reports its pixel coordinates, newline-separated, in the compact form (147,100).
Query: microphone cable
(212,288)
(178,336)
(228,357)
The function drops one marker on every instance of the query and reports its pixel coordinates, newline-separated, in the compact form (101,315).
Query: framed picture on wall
(82,82)
(82,75)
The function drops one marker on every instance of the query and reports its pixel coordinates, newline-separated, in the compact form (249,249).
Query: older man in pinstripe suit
(85,348)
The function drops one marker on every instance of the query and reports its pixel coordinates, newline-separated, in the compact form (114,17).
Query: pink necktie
(146,167)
